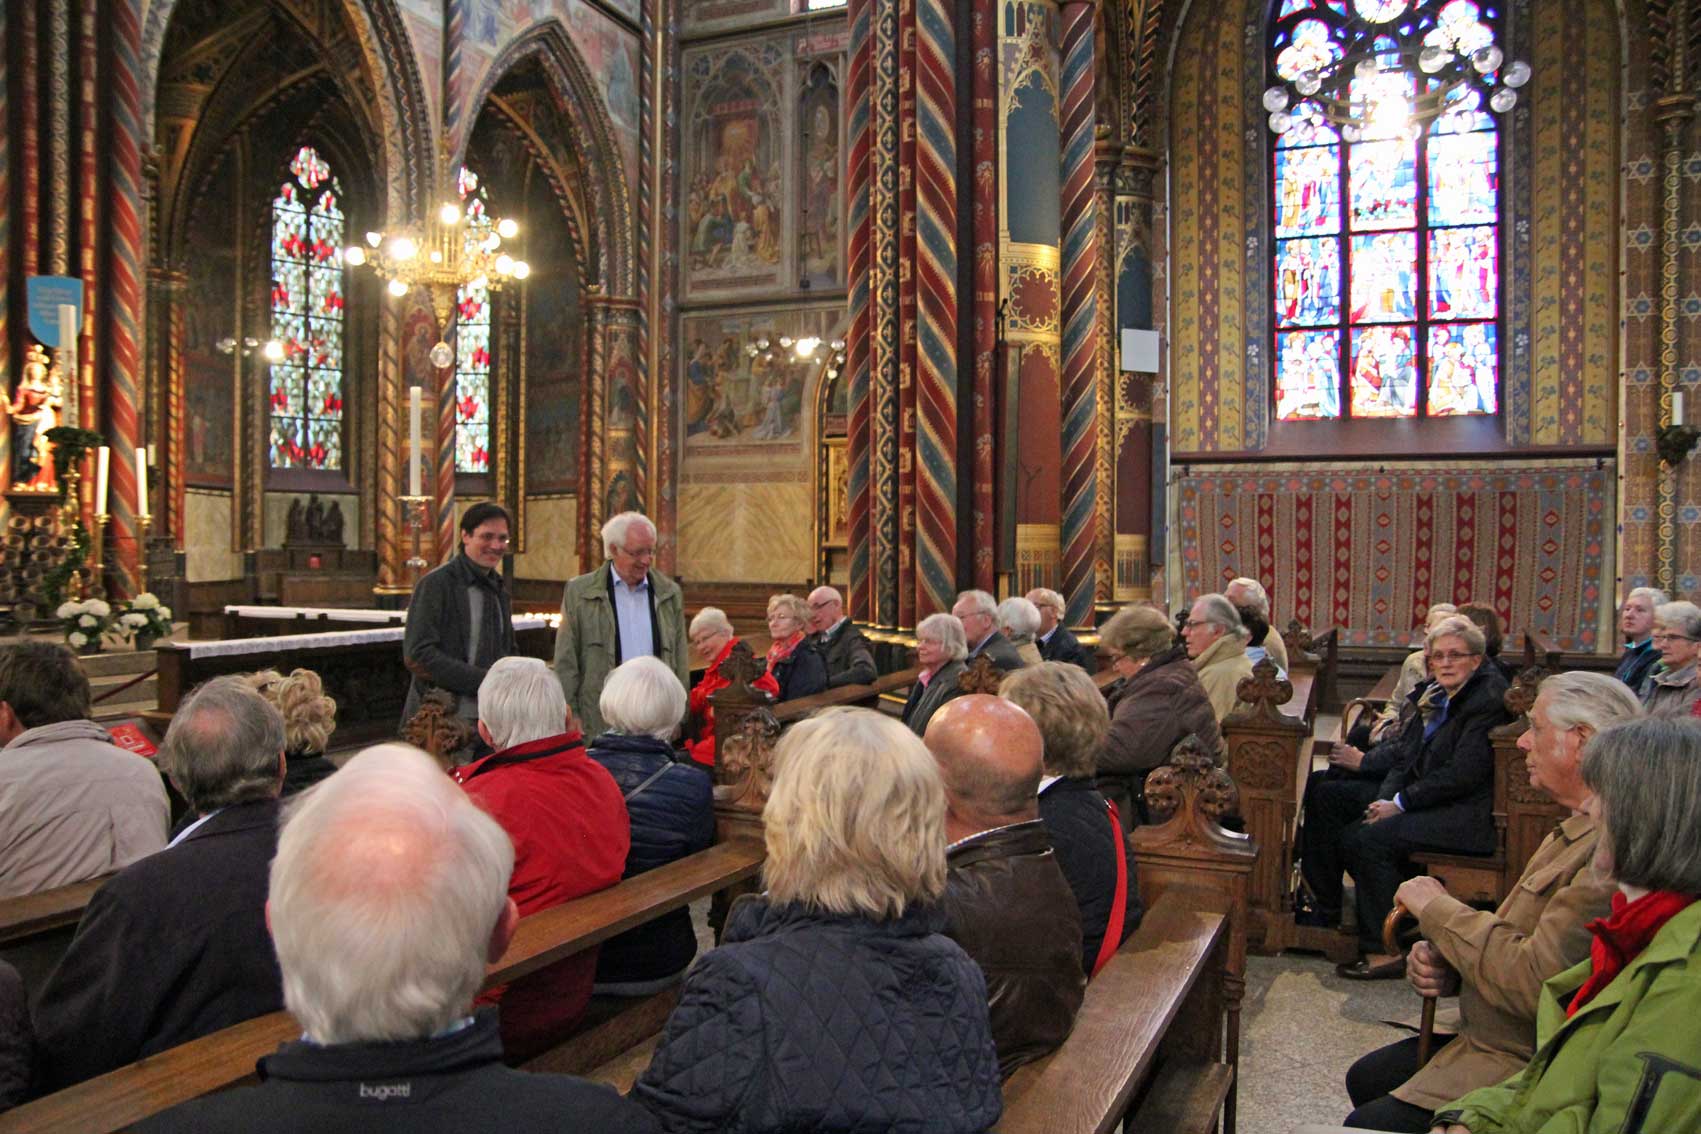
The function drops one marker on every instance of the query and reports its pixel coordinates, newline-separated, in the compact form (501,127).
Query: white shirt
(192,828)
(632,617)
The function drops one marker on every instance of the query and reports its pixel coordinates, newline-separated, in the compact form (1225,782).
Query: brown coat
(1503,957)
(1150,713)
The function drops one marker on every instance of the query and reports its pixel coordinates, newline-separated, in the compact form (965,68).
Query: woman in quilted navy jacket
(835,1003)
(671,804)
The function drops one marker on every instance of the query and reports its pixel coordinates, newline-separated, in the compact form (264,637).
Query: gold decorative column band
(1133,571)
(1039,556)
(1674,113)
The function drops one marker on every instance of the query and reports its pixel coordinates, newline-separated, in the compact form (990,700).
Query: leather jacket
(1010,908)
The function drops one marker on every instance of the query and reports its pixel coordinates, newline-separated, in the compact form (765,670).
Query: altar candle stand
(415,507)
(103,467)
(144,518)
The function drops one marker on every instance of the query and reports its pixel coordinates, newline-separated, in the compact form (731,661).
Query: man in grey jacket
(460,620)
(73,805)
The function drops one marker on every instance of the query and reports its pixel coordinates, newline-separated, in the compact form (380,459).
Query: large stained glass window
(307,318)
(472,343)
(1386,266)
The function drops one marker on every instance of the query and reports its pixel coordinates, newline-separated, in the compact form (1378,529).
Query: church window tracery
(472,341)
(308,320)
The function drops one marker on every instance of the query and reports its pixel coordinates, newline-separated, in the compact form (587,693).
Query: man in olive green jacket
(620,611)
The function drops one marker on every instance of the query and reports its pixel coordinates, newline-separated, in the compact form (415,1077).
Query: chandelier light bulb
(1276,98)
(436,256)
(507,228)
(450,215)
(1431,59)
(1503,100)
(1309,83)
(1351,133)
(491,243)
(1517,73)
(355,256)
(521,269)
(1486,59)
(398,288)
(1367,68)
(442,355)
(403,249)
(274,350)
(1281,121)
(505,265)
(478,283)
(806,346)
(375,238)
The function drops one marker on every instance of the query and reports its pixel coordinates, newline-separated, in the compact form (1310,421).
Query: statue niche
(35,409)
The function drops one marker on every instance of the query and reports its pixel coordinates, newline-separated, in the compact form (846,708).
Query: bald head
(826,607)
(991,757)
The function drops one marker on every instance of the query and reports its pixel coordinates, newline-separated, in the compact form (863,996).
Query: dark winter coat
(1446,782)
(849,657)
(998,650)
(1080,825)
(1064,647)
(801,673)
(434,643)
(1150,713)
(672,816)
(925,700)
(825,1022)
(17,1039)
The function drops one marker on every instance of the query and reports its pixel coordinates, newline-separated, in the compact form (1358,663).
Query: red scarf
(780,651)
(1621,937)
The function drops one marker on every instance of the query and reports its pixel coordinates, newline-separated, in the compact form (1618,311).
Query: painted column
(1133,443)
(443,483)
(591,412)
(88,218)
(1105,154)
(985,226)
(906,315)
(883,275)
(5,251)
(125,370)
(166,452)
(1674,113)
(658,261)
(393,537)
(59,135)
(1079,313)
(859,596)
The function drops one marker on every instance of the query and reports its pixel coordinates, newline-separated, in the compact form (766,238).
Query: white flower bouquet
(144,617)
(84,623)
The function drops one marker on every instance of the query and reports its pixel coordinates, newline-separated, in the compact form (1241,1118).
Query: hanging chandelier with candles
(1386,68)
(461,247)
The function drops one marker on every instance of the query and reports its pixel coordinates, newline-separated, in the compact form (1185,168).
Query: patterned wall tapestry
(1369,550)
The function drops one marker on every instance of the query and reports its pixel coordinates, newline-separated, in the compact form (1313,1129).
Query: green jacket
(585,644)
(1629,1062)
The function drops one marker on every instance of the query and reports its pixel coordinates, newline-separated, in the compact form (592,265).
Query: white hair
(1219,611)
(826,594)
(520,700)
(1256,596)
(1595,700)
(643,697)
(980,603)
(1680,617)
(1656,597)
(711,618)
(614,532)
(1045,596)
(947,630)
(385,892)
(1019,618)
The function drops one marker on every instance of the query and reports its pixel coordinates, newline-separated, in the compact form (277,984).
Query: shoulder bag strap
(654,776)
(1119,904)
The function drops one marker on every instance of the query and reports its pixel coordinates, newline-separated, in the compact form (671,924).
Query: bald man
(1006,900)
(850,659)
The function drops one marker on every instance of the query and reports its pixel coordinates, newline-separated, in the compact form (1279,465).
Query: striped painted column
(89,193)
(391,520)
(444,488)
(859,225)
(1077,269)
(986,396)
(934,285)
(906,245)
(59,135)
(124,276)
(1105,158)
(455,15)
(883,299)
(29,146)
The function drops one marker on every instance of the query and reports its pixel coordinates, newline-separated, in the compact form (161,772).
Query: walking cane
(1426,1030)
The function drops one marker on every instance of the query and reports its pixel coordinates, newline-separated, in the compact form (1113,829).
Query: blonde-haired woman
(310,717)
(796,665)
(849,930)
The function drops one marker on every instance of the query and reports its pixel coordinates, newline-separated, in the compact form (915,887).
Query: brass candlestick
(414,508)
(143,523)
(97,553)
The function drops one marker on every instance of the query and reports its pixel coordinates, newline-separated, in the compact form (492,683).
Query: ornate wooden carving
(745,762)
(735,704)
(1262,765)
(1299,641)
(980,676)
(438,728)
(1264,693)
(1191,782)
(1521,694)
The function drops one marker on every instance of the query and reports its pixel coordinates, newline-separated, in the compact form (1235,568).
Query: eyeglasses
(822,605)
(1447,657)
(1664,636)
(639,552)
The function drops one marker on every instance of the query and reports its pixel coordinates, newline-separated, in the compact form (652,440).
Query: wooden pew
(35,914)
(129,1094)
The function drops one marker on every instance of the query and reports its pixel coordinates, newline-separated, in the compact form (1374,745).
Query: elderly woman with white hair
(1019,621)
(1636,621)
(1674,684)
(712,638)
(940,647)
(835,1001)
(1216,641)
(671,807)
(793,660)
(568,822)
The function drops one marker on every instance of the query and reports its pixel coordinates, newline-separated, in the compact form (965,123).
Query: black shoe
(1362,969)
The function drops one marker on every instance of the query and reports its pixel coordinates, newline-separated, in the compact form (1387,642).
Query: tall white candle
(103,464)
(1677,407)
(142,508)
(413,441)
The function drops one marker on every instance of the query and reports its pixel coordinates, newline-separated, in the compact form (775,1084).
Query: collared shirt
(1045,782)
(632,614)
(191,828)
(1042,639)
(827,634)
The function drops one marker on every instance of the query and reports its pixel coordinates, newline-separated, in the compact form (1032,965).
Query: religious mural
(717,15)
(819,233)
(746,379)
(209,322)
(554,352)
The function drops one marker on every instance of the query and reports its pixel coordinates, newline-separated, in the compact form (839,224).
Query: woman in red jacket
(711,636)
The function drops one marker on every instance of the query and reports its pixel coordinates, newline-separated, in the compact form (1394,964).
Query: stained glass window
(306,394)
(1386,260)
(472,343)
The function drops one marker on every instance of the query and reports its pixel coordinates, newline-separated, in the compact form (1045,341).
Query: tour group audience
(794,663)
(712,638)
(1673,683)
(978,612)
(309,716)
(1252,602)
(940,648)
(568,824)
(1019,621)
(1056,642)
(1371,729)
(843,646)
(1216,643)
(73,805)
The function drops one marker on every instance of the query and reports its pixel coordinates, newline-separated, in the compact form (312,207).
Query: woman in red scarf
(793,661)
(711,637)
(1618,1037)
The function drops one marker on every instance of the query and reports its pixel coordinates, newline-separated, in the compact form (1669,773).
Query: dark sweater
(1079,822)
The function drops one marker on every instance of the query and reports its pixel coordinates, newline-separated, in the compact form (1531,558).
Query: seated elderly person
(1086,831)
(1495,963)
(1216,641)
(1007,901)
(940,648)
(1258,630)
(1249,594)
(1155,704)
(978,612)
(1019,621)
(712,638)
(309,719)
(670,804)
(1373,728)
(568,823)
(849,658)
(1429,788)
(175,946)
(388,897)
(1636,621)
(794,663)
(834,1001)
(1493,637)
(1054,640)
(73,805)
(1674,684)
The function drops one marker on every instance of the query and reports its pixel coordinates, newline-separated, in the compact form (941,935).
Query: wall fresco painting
(718,15)
(819,234)
(733,166)
(554,353)
(209,320)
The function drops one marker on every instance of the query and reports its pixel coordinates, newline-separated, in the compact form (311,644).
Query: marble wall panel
(206,537)
(551,545)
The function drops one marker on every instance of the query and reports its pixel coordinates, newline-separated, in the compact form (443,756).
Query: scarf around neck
(1620,937)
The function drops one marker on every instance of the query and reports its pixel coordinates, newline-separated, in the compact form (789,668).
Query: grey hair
(385,892)
(711,618)
(520,700)
(615,530)
(224,746)
(1069,710)
(1020,618)
(1646,775)
(1045,596)
(828,594)
(792,607)
(1257,597)
(1219,611)
(1656,597)
(980,603)
(1587,700)
(1681,617)
(643,697)
(855,823)
(1457,626)
(947,630)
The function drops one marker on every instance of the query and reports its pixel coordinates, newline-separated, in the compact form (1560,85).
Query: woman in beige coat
(1216,641)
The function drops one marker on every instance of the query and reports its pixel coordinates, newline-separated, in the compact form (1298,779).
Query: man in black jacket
(388,897)
(850,660)
(174,947)
(978,612)
(1054,639)
(460,620)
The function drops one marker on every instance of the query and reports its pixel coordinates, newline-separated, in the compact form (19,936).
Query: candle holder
(144,521)
(413,507)
(97,554)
